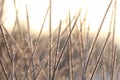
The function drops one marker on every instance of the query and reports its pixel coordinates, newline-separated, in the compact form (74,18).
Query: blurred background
(16,15)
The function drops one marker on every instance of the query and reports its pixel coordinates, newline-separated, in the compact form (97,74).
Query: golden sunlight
(60,8)
(60,39)
(37,10)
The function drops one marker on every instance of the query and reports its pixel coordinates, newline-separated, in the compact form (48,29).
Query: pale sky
(60,8)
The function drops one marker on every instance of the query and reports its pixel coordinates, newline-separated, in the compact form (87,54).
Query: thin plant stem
(114,62)
(50,43)
(94,42)
(11,37)
(82,35)
(58,44)
(4,70)
(82,49)
(70,52)
(30,41)
(65,27)
(33,67)
(36,45)
(62,51)
(103,72)
(46,58)
(2,8)
(6,42)
(118,72)
(62,33)
(113,42)
(13,62)
(28,25)
(7,46)
(100,56)
(18,23)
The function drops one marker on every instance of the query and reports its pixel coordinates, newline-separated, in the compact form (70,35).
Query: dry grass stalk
(103,72)
(35,49)
(14,41)
(62,33)
(17,22)
(62,51)
(36,46)
(14,77)
(118,72)
(58,45)
(82,39)
(28,25)
(2,8)
(7,46)
(33,66)
(94,42)
(113,42)
(70,52)
(100,56)
(30,45)
(5,42)
(4,70)
(50,66)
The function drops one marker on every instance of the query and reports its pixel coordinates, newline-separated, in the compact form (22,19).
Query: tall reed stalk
(5,42)
(17,22)
(100,57)
(58,45)
(36,47)
(83,41)
(4,70)
(50,66)
(7,47)
(62,51)
(60,57)
(96,37)
(70,51)
(103,72)
(13,62)
(113,41)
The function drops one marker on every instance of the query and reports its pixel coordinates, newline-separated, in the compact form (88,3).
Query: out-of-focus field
(71,51)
